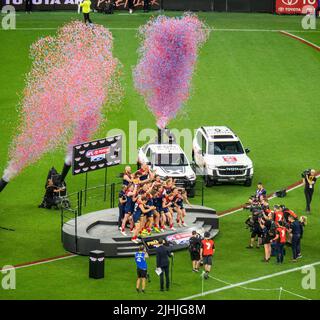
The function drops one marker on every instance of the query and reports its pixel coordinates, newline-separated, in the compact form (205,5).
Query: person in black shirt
(51,196)
(309,181)
(317,9)
(146,5)
(122,204)
(163,254)
(130,6)
(194,248)
(296,230)
(28,6)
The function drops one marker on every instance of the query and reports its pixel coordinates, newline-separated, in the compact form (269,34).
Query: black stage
(98,231)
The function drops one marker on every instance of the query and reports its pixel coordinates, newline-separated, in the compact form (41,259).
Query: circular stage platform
(98,231)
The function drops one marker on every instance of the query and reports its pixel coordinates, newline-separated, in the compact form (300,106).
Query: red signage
(295,6)
(230,159)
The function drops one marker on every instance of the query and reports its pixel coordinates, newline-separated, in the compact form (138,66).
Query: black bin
(96,264)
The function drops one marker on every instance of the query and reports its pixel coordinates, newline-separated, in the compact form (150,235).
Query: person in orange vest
(280,239)
(206,253)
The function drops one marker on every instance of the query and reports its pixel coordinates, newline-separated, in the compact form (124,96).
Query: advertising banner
(295,6)
(49,5)
(96,154)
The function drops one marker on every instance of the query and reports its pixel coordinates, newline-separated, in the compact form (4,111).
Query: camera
(305,173)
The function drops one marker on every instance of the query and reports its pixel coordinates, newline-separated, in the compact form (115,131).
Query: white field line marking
(262,289)
(295,294)
(239,284)
(213,29)
(270,198)
(40,262)
(301,39)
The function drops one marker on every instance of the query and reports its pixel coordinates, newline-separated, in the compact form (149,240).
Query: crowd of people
(274,227)
(147,204)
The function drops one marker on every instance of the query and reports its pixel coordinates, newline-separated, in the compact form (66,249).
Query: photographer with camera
(55,190)
(194,249)
(309,180)
(267,227)
(254,225)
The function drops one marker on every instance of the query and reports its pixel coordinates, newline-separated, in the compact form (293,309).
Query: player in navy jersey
(140,209)
(129,206)
(127,176)
(122,204)
(142,268)
(166,208)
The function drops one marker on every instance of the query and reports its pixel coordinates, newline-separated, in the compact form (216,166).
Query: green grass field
(260,83)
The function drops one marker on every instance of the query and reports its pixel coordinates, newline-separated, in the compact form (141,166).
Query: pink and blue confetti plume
(167,60)
(73,77)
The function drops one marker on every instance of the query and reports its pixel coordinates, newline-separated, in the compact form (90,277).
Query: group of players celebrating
(274,228)
(146,203)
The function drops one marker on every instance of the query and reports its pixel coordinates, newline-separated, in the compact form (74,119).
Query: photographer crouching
(55,190)
(309,180)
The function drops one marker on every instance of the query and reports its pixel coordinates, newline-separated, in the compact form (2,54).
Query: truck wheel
(191,193)
(248,182)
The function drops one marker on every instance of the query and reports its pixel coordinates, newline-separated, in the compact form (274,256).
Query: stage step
(125,254)
(98,230)
(129,249)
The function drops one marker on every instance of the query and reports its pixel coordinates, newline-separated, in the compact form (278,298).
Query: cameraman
(51,197)
(194,248)
(309,180)
(253,223)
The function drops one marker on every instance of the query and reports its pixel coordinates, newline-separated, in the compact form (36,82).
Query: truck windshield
(170,159)
(225,147)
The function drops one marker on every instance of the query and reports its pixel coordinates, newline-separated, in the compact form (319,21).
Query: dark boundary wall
(180,5)
(221,5)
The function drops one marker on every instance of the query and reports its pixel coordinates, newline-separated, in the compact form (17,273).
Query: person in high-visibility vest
(85,5)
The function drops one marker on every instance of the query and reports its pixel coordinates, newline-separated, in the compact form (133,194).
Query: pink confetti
(167,59)
(73,76)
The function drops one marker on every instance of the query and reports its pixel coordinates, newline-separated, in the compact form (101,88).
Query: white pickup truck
(220,156)
(169,161)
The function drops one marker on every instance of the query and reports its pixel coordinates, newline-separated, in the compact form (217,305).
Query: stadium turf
(262,84)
